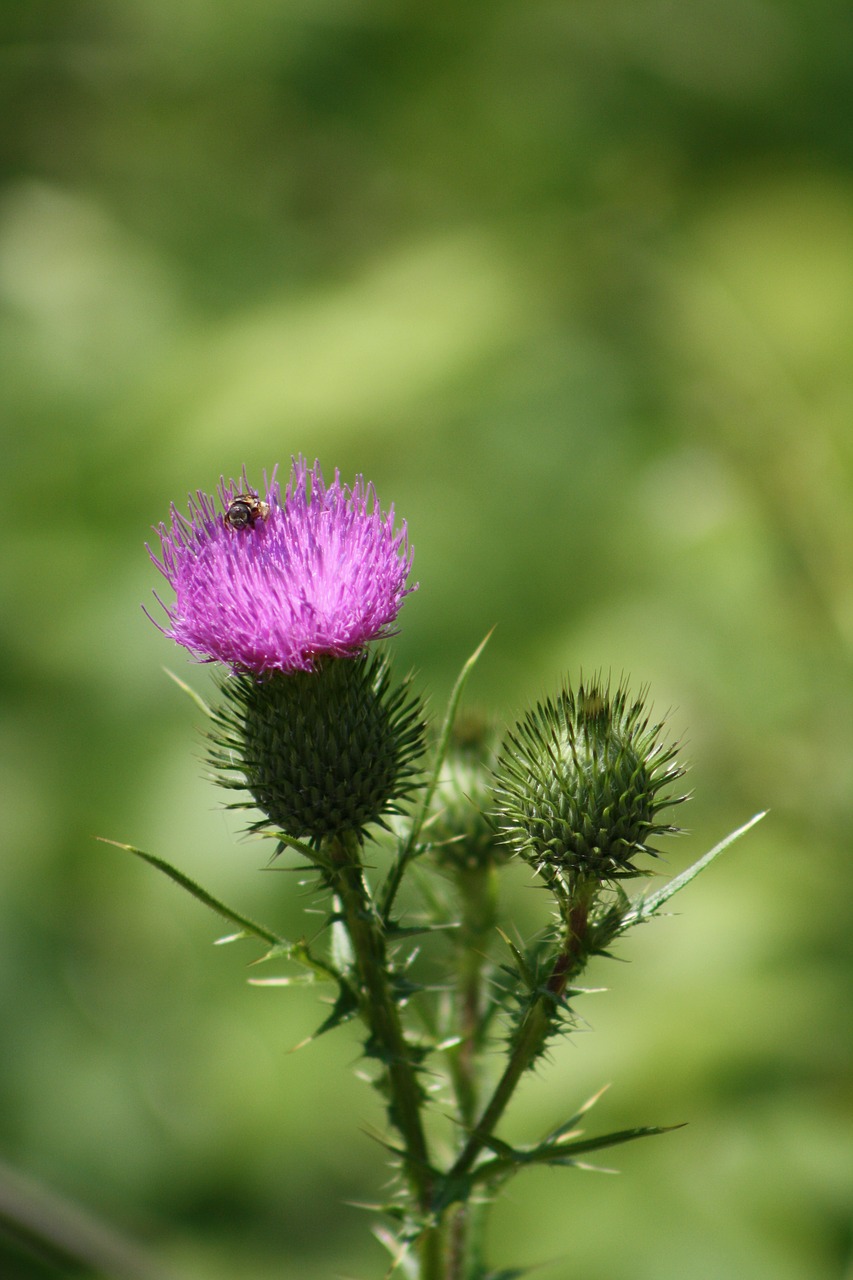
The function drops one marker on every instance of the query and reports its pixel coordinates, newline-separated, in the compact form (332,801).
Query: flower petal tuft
(318,572)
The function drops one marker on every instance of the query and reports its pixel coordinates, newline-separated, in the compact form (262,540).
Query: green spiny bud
(322,753)
(579,784)
(462,831)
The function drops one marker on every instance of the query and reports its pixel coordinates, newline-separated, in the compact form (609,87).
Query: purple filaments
(283,581)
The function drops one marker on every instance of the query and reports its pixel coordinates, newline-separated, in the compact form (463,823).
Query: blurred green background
(573,284)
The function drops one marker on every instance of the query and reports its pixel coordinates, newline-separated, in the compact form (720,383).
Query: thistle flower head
(581,784)
(273,583)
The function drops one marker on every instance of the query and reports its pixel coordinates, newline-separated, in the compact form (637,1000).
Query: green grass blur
(573,284)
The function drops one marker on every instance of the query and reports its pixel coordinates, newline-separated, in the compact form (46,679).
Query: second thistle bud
(464,836)
(581,783)
(322,753)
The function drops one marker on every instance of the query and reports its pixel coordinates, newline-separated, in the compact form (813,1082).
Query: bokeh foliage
(573,284)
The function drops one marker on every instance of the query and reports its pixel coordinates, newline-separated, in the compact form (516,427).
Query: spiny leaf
(299,953)
(403,1259)
(409,849)
(345,1007)
(556,1154)
(393,930)
(524,968)
(246,925)
(191,693)
(560,1132)
(650,904)
(313,855)
(583,1145)
(501,1148)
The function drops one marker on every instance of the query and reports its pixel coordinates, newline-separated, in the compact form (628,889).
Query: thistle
(288,591)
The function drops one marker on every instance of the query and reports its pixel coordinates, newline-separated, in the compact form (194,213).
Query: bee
(246,509)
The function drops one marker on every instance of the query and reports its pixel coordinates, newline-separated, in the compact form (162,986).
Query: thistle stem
(477,888)
(387,1041)
(534,1027)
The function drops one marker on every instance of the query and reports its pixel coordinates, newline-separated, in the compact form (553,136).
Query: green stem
(477,887)
(387,1040)
(464,1246)
(534,1028)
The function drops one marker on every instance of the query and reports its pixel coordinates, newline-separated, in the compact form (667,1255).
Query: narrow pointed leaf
(400,1251)
(416,930)
(523,967)
(650,904)
(583,1145)
(559,1154)
(313,855)
(395,875)
(505,1151)
(345,1008)
(191,693)
(559,1133)
(300,953)
(246,925)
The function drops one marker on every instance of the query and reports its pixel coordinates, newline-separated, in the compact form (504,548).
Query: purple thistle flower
(272,584)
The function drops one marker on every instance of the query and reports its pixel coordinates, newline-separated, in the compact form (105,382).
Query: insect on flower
(246,509)
(266,580)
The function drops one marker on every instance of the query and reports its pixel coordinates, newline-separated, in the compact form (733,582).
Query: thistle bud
(462,831)
(322,752)
(581,784)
